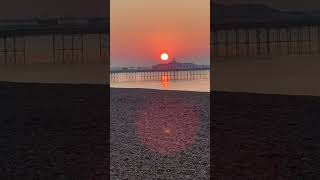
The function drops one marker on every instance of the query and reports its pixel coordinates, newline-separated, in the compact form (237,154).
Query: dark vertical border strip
(211,95)
(108,90)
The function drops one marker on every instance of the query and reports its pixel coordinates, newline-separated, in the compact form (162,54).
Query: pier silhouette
(67,37)
(159,74)
(274,38)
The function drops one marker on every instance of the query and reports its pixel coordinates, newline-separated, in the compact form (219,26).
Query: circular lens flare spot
(167,131)
(167,127)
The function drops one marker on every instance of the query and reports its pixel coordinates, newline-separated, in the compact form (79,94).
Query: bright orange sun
(164,56)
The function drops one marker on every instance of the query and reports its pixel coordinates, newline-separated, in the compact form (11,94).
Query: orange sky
(142,29)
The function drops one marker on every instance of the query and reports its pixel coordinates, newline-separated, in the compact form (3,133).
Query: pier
(67,38)
(282,38)
(159,75)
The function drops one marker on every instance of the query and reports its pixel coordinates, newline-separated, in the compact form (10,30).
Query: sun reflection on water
(165,81)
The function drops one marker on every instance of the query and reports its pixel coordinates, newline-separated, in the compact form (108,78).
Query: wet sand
(93,73)
(294,75)
(139,147)
(51,131)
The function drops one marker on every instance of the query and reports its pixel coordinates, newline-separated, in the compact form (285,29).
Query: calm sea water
(200,83)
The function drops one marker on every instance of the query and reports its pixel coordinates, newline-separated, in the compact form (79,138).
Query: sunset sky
(142,29)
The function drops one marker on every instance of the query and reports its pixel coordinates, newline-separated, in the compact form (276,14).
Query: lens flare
(167,127)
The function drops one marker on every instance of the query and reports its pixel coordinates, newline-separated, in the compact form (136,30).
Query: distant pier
(300,37)
(67,38)
(159,74)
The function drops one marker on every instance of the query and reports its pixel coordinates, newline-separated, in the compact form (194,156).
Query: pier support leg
(54,48)
(237,42)
(227,42)
(268,42)
(5,50)
(258,39)
(247,42)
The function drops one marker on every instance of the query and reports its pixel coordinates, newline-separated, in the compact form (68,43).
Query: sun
(164,56)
